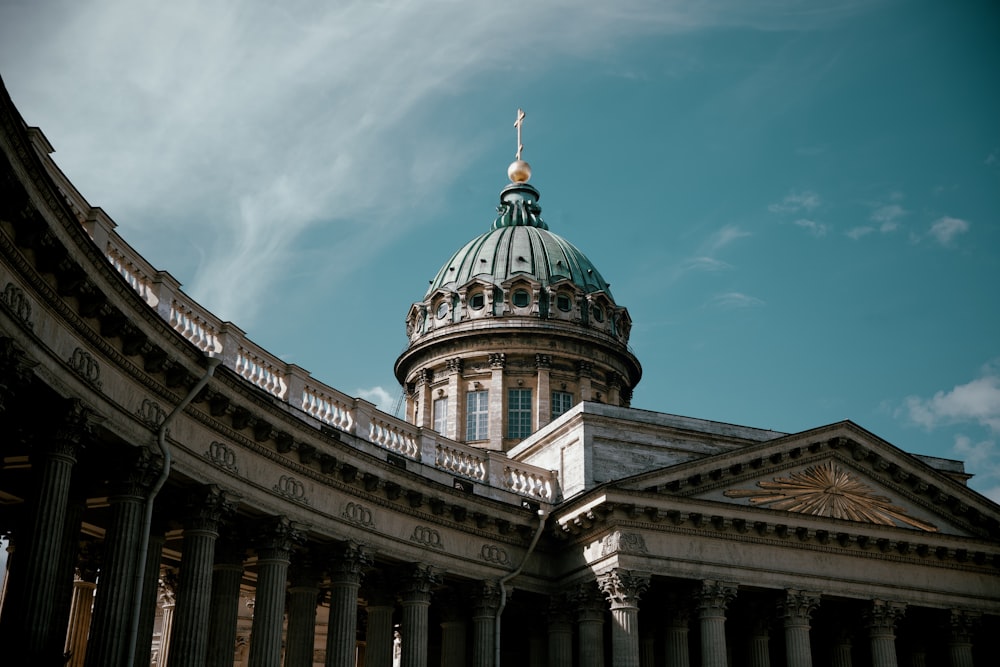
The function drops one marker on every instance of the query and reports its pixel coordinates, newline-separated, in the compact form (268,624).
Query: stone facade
(172,494)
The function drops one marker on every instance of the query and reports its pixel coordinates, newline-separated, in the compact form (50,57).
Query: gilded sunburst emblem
(829,490)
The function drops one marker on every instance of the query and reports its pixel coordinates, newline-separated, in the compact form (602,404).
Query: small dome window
(563,302)
(477,301)
(521,298)
(442,310)
(598,314)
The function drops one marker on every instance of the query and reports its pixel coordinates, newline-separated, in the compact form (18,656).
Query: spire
(519,171)
(519,200)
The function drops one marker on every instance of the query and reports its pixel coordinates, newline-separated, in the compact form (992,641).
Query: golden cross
(518,123)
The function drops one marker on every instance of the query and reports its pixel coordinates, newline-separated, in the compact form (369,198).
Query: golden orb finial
(519,171)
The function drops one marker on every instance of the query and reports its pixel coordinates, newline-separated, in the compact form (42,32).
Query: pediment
(839,472)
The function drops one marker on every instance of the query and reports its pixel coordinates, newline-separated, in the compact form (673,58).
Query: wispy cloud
(977,401)
(944,230)
(796,202)
(859,232)
(816,228)
(887,217)
(724,237)
(705,264)
(735,300)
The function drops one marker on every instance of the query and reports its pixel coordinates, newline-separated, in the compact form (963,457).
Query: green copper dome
(519,243)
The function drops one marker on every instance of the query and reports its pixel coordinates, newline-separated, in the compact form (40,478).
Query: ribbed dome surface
(519,243)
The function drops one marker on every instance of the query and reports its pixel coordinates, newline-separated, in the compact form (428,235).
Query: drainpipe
(161,440)
(503,580)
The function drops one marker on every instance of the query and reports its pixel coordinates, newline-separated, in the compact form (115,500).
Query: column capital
(455,365)
(584,369)
(207,506)
(883,615)
(714,597)
(278,536)
(346,562)
(498,360)
(589,601)
(797,606)
(623,588)
(15,370)
(486,599)
(963,623)
(418,582)
(70,428)
(543,361)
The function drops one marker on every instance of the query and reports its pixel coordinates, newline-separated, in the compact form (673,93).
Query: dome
(519,244)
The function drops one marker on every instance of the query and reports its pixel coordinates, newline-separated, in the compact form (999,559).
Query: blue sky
(799,202)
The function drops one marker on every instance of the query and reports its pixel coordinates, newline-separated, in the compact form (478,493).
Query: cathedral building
(172,494)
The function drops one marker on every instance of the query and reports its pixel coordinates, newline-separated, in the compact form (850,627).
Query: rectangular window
(562,401)
(440,414)
(477,415)
(518,413)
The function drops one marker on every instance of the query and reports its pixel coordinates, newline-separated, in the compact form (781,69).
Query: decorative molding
(428,537)
(492,553)
(86,367)
(623,543)
(358,514)
(222,455)
(151,413)
(291,488)
(829,490)
(18,302)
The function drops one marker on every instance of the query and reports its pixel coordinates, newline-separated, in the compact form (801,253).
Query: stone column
(623,589)
(206,507)
(150,594)
(67,572)
(881,622)
(584,370)
(422,397)
(760,639)
(485,606)
(167,600)
(114,603)
(227,575)
(497,401)
(416,600)
(963,625)
(454,626)
(39,568)
(80,613)
(346,569)
(842,646)
(456,401)
(560,632)
(676,652)
(590,610)
(713,598)
(379,636)
(274,550)
(303,599)
(543,403)
(796,609)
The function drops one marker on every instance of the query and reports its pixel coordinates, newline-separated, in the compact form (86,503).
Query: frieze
(151,413)
(427,537)
(359,514)
(291,488)
(492,553)
(623,543)
(18,302)
(222,455)
(86,367)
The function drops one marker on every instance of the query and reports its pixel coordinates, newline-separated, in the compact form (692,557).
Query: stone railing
(293,384)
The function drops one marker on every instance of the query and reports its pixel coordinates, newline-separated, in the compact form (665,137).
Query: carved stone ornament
(428,537)
(291,488)
(623,543)
(623,588)
(151,413)
(18,303)
(222,455)
(829,490)
(491,553)
(358,514)
(86,367)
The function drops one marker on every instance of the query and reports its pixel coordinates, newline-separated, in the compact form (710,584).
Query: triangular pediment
(839,472)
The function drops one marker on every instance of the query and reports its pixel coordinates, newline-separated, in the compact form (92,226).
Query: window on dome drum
(518,413)
(477,301)
(440,414)
(477,415)
(521,298)
(442,310)
(563,302)
(562,401)
(598,314)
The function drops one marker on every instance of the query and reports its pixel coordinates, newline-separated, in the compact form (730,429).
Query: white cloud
(859,232)
(795,202)
(887,216)
(945,229)
(735,300)
(705,264)
(977,401)
(816,228)
(724,237)
(380,397)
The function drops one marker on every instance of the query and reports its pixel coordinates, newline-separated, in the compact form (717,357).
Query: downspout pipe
(161,440)
(542,515)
